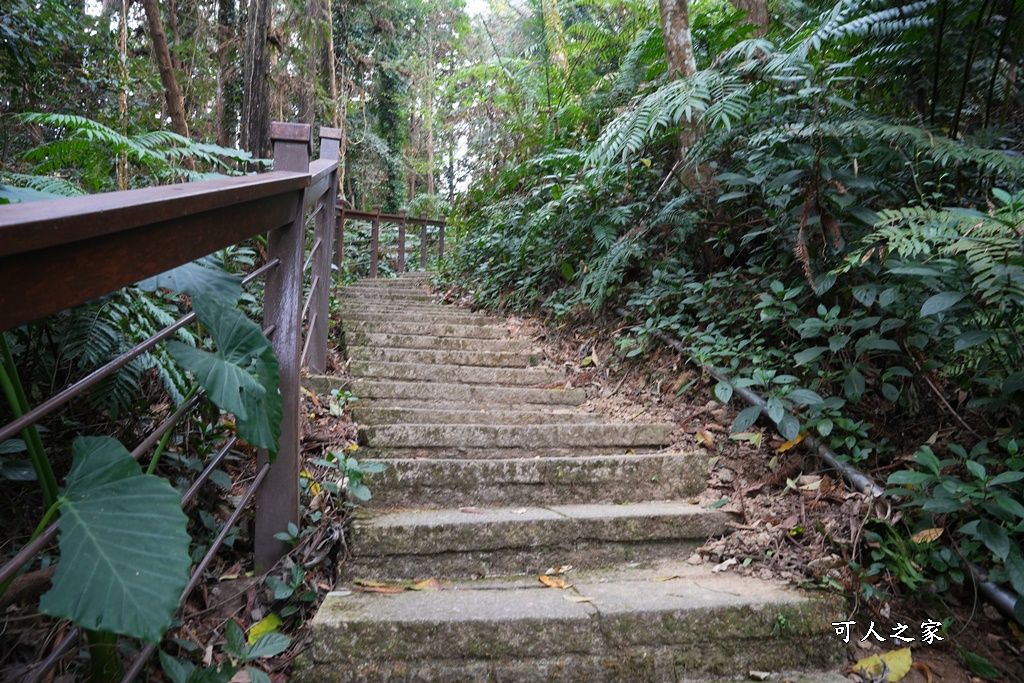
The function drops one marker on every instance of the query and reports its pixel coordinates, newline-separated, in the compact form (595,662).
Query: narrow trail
(548,542)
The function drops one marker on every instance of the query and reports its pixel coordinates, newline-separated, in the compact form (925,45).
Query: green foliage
(242,375)
(352,474)
(89,151)
(123,543)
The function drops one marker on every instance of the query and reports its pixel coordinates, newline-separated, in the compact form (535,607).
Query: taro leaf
(940,302)
(242,377)
(123,545)
(197,279)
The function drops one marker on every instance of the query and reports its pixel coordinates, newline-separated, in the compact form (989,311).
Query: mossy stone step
(423,342)
(493,359)
(467,374)
(467,543)
(380,415)
(440,483)
(465,393)
(525,437)
(489,331)
(669,622)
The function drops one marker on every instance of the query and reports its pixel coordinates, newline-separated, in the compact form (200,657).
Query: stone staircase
(497,476)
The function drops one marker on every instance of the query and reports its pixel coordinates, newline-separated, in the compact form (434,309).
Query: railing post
(374,241)
(401,242)
(319,302)
(330,148)
(440,240)
(277,501)
(423,241)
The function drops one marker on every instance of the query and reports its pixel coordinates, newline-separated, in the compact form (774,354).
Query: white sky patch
(475,7)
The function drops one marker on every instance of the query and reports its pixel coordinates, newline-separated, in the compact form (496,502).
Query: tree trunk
(175,104)
(675,29)
(757,14)
(228,81)
(430,116)
(255,88)
(554,33)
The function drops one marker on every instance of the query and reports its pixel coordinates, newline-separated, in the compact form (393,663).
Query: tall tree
(757,14)
(229,91)
(255,136)
(675,28)
(162,54)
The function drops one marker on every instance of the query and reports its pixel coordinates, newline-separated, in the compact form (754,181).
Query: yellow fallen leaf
(575,598)
(426,585)
(789,444)
(927,535)
(705,438)
(896,662)
(268,624)
(659,579)
(227,577)
(552,581)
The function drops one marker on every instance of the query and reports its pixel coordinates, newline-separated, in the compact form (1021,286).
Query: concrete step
(374,415)
(526,437)
(437,315)
(454,543)
(413,341)
(465,393)
(471,453)
(489,331)
(538,481)
(468,374)
(635,627)
(372,294)
(493,359)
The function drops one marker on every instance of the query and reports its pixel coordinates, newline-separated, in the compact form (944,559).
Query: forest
(822,201)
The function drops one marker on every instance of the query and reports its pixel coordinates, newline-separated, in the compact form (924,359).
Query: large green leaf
(123,545)
(242,377)
(205,276)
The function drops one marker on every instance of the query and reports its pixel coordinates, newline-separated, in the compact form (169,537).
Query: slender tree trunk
(175,105)
(331,69)
(757,14)
(228,81)
(675,29)
(554,33)
(255,86)
(430,116)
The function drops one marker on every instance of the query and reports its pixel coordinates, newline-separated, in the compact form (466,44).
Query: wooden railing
(376,218)
(60,253)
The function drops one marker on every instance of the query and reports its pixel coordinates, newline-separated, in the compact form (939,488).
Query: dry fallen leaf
(724,565)
(705,438)
(789,444)
(426,585)
(575,598)
(552,581)
(560,569)
(927,535)
(896,662)
(371,586)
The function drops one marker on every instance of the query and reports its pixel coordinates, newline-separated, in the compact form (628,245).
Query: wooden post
(330,148)
(423,241)
(319,296)
(401,242)
(440,240)
(277,501)
(374,241)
